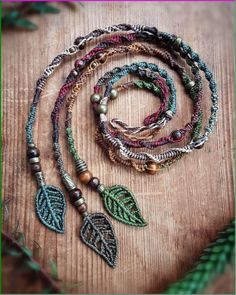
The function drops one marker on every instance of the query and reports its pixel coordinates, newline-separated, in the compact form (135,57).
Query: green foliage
(213,262)
(15,16)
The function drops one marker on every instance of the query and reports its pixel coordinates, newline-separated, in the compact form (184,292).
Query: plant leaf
(43,8)
(24,23)
(53,270)
(120,203)
(97,232)
(33,265)
(50,207)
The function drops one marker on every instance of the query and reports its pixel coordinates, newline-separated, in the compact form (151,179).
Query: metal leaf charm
(97,232)
(50,207)
(120,203)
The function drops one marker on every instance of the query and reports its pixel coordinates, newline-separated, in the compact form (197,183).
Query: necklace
(118,138)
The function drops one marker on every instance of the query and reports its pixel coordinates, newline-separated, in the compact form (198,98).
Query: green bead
(114,94)
(95,98)
(102,109)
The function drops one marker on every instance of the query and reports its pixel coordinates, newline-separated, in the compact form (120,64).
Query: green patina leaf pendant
(120,203)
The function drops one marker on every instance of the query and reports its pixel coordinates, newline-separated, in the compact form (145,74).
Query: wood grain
(185,206)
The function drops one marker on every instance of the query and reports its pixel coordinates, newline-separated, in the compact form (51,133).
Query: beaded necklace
(118,138)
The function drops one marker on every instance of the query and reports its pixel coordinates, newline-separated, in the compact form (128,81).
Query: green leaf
(120,203)
(33,265)
(50,207)
(25,24)
(10,18)
(26,251)
(53,270)
(43,8)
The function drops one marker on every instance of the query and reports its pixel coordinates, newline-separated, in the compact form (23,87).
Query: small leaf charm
(120,203)
(97,232)
(50,207)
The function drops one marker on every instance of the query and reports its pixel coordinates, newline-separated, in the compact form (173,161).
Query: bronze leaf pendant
(97,232)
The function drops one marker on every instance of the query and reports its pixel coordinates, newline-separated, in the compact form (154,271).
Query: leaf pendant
(120,203)
(97,232)
(50,207)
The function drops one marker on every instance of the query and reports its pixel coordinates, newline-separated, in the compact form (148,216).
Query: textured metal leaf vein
(97,232)
(120,203)
(50,207)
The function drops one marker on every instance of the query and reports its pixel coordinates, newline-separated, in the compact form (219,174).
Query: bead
(101,109)
(200,146)
(152,168)
(79,202)
(169,114)
(68,182)
(40,179)
(33,152)
(100,188)
(75,194)
(190,85)
(95,98)
(82,208)
(85,177)
(114,94)
(34,160)
(94,182)
(177,43)
(36,167)
(176,134)
(101,57)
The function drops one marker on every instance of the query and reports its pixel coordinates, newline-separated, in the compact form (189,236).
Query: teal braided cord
(29,125)
(153,67)
(212,262)
(71,143)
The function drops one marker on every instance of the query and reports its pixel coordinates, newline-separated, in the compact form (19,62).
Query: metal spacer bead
(190,85)
(169,114)
(68,182)
(34,160)
(81,166)
(177,43)
(79,202)
(30,145)
(100,188)
(40,179)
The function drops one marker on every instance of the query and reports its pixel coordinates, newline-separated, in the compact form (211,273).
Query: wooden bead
(85,177)
(33,152)
(152,168)
(75,195)
(94,182)
(82,208)
(176,134)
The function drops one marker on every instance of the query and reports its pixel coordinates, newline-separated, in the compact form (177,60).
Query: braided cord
(212,262)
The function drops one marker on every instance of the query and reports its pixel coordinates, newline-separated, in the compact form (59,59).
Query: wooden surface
(185,206)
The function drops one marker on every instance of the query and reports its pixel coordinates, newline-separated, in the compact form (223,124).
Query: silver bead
(31,145)
(40,179)
(169,114)
(95,98)
(80,166)
(68,182)
(177,43)
(190,85)
(79,202)
(100,188)
(114,94)
(102,109)
(34,160)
